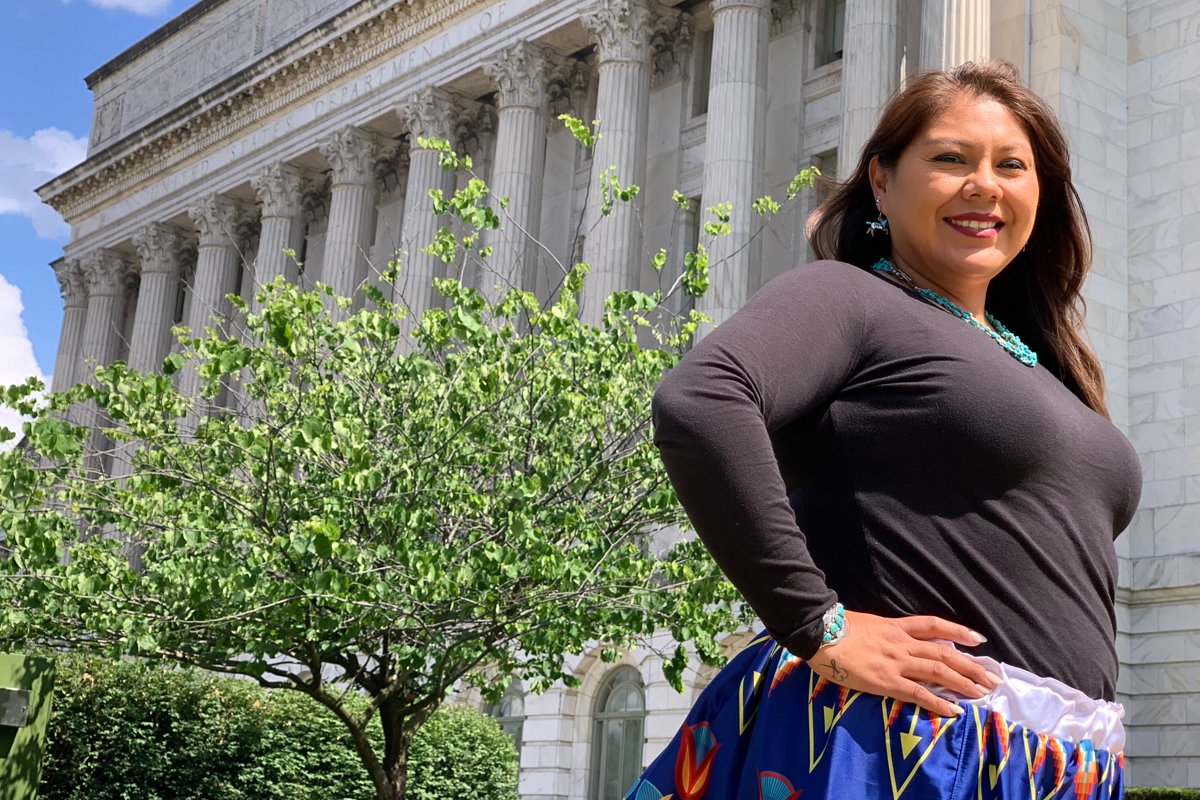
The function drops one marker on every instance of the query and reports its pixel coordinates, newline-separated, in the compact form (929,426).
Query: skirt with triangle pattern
(769,728)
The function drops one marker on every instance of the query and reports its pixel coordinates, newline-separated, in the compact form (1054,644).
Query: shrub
(1157,793)
(124,729)
(127,729)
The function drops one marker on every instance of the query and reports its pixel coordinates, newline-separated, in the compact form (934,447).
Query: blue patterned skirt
(769,728)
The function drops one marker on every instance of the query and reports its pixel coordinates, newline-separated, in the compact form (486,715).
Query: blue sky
(46,49)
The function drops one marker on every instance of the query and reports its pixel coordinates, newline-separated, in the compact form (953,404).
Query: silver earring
(880,225)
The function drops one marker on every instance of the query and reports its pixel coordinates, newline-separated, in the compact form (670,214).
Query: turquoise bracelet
(834,625)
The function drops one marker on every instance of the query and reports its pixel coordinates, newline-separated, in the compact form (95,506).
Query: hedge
(123,730)
(1153,793)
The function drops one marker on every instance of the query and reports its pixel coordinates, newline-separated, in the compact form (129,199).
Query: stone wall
(1163,670)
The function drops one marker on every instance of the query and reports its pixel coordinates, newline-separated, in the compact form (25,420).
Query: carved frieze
(108,119)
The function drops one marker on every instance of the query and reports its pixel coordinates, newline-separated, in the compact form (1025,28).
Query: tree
(369,522)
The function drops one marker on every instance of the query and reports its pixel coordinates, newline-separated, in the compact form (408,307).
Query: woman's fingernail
(982,689)
(994,680)
(955,711)
(978,637)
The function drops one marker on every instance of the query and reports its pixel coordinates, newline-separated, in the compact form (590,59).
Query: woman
(900,456)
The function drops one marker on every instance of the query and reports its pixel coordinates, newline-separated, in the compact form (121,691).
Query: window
(702,74)
(833,32)
(617,735)
(510,713)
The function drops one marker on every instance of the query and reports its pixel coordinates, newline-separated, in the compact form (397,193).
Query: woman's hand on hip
(894,657)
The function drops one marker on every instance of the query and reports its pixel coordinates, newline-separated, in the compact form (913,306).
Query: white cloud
(17,362)
(26,164)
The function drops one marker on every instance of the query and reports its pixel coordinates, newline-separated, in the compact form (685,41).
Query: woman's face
(962,198)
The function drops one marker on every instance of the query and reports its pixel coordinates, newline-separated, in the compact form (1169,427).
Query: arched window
(617,734)
(510,713)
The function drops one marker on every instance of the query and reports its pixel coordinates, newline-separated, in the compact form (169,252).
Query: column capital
(520,72)
(71,283)
(620,29)
(106,272)
(351,152)
(391,168)
(316,201)
(158,248)
(428,113)
(785,15)
(280,188)
(219,220)
(671,44)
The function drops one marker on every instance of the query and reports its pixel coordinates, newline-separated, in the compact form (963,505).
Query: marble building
(244,127)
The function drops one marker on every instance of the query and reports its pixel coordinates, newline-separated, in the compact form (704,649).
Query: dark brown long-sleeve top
(842,438)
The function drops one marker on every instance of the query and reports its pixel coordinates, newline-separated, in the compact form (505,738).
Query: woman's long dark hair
(1038,295)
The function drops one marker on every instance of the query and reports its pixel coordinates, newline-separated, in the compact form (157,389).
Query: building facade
(246,127)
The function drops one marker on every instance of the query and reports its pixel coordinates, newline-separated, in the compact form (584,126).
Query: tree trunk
(398,731)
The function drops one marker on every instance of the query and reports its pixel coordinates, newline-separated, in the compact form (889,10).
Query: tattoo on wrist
(839,673)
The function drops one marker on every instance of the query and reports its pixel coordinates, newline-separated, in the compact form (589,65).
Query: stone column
(621,32)
(105,272)
(427,114)
(870,73)
(520,73)
(74,293)
(219,221)
(158,250)
(954,32)
(280,188)
(351,152)
(735,147)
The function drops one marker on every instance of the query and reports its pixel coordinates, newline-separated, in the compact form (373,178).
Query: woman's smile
(979,226)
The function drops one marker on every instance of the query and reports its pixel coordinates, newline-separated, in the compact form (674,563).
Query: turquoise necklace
(1001,335)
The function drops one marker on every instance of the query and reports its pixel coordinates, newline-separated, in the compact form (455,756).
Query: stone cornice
(373,29)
